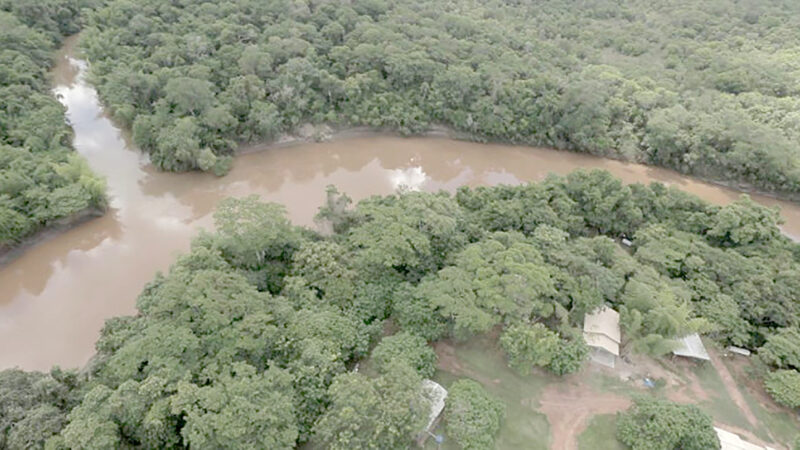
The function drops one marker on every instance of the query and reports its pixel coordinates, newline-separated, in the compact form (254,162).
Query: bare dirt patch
(568,407)
(690,390)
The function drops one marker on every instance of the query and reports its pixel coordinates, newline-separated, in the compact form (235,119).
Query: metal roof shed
(739,350)
(435,393)
(691,347)
(732,441)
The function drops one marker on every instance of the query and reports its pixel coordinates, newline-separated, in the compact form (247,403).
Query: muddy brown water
(55,296)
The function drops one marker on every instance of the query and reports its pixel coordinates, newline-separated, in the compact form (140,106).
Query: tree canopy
(472,416)
(42,180)
(254,337)
(654,424)
(707,88)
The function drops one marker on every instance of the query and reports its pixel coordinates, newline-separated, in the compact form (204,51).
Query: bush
(784,387)
(408,348)
(655,424)
(473,416)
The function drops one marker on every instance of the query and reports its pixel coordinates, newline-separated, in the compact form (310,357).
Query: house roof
(602,341)
(435,393)
(739,350)
(732,441)
(691,347)
(605,321)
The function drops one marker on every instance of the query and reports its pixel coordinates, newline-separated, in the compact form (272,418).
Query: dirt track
(569,407)
(732,388)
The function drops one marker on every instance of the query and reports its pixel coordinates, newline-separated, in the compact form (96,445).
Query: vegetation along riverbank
(256,332)
(705,88)
(43,182)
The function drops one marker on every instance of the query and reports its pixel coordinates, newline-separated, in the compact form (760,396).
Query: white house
(601,332)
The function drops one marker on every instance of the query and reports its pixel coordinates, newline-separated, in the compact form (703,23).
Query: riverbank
(59,293)
(310,134)
(9,253)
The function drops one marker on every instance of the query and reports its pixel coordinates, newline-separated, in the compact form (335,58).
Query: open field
(578,411)
(600,434)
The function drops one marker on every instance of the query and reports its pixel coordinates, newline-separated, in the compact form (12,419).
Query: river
(55,296)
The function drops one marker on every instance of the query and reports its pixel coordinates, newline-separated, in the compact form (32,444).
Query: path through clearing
(732,388)
(568,408)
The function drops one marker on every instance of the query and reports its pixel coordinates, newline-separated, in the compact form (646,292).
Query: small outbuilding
(601,333)
(732,441)
(691,347)
(435,394)
(739,350)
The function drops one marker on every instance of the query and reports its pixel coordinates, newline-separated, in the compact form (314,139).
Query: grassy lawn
(524,427)
(781,424)
(482,361)
(600,434)
(720,406)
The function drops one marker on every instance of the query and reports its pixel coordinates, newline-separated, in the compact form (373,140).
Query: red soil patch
(568,407)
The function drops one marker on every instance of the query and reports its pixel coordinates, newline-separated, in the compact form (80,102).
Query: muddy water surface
(56,295)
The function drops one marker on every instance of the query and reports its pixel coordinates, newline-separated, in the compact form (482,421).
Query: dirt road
(732,388)
(568,408)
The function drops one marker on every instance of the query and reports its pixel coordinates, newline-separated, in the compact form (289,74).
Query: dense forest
(42,180)
(708,88)
(267,335)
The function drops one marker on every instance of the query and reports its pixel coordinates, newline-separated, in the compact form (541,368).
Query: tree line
(42,180)
(706,88)
(269,335)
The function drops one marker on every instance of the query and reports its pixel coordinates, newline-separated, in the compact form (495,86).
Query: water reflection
(56,295)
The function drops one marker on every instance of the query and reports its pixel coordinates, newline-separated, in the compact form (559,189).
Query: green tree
(571,355)
(189,95)
(784,387)
(782,349)
(662,425)
(500,277)
(34,405)
(384,412)
(406,348)
(241,410)
(529,345)
(256,237)
(745,222)
(472,416)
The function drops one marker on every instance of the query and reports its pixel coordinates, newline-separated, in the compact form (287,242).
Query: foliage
(406,348)
(248,338)
(706,88)
(34,406)
(663,425)
(472,416)
(242,410)
(42,181)
(782,349)
(571,355)
(784,387)
(529,345)
(499,277)
(535,345)
(385,412)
